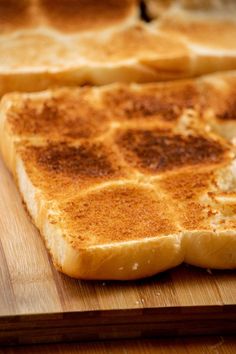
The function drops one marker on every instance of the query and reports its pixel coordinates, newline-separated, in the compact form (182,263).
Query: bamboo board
(38,304)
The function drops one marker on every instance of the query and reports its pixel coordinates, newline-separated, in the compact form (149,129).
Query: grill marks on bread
(14,14)
(69,114)
(68,16)
(74,15)
(157,151)
(222,98)
(166,103)
(61,168)
(118,213)
(84,160)
(187,190)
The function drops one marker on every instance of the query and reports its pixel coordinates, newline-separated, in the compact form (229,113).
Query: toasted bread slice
(208,28)
(124,181)
(46,44)
(159,8)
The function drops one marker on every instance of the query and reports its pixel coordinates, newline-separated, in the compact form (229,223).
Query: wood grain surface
(194,345)
(38,304)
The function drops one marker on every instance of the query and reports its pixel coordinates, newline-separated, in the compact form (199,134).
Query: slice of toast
(126,181)
(208,29)
(159,8)
(51,43)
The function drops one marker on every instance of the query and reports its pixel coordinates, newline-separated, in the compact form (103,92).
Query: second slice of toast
(45,43)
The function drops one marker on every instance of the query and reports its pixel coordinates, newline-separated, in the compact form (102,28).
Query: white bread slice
(124,181)
(46,44)
(208,29)
(159,8)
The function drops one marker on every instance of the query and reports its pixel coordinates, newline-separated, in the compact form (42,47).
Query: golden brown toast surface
(157,8)
(204,25)
(126,165)
(64,15)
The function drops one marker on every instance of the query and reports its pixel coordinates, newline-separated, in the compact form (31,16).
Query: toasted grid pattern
(132,170)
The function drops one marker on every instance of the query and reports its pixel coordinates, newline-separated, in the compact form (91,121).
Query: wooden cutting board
(38,304)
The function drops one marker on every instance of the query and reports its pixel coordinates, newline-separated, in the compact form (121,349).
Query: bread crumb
(142,300)
(218,345)
(135,266)
(137,302)
(121,268)
(209,271)
(158,294)
(149,261)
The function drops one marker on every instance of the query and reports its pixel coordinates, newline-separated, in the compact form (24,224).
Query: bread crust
(142,191)
(44,47)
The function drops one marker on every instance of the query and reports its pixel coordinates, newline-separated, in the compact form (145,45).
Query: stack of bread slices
(122,150)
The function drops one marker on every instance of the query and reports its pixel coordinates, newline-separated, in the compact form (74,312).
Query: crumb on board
(217,346)
(135,266)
